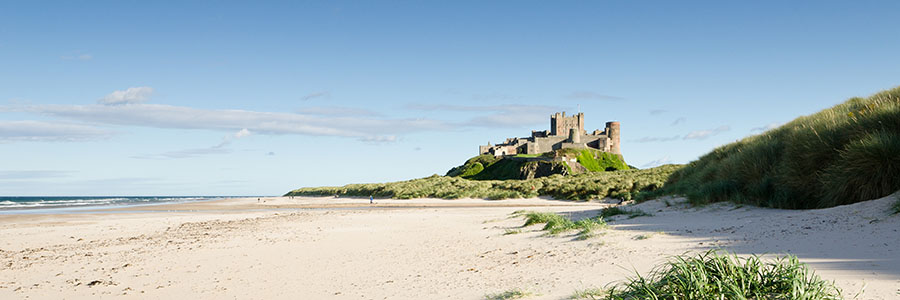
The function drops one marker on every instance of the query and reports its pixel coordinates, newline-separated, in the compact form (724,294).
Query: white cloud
(131,95)
(180,117)
(336,111)
(702,134)
(242,133)
(41,131)
(679,121)
(658,162)
(379,139)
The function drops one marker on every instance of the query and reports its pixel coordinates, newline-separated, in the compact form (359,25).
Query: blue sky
(222,98)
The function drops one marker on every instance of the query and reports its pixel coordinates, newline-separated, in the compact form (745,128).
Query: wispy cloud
(41,131)
(767,127)
(379,139)
(657,111)
(220,148)
(180,117)
(693,135)
(703,134)
(84,56)
(131,95)
(336,111)
(588,95)
(33,174)
(510,115)
(648,139)
(315,95)
(658,162)
(679,121)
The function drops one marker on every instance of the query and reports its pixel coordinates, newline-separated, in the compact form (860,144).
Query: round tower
(612,132)
(574,136)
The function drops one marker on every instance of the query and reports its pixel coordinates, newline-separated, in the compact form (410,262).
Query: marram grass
(841,155)
(555,224)
(719,275)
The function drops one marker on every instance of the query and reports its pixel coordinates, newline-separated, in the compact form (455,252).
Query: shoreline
(325,247)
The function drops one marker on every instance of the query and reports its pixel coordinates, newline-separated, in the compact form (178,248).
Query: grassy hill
(841,155)
(526,166)
(590,185)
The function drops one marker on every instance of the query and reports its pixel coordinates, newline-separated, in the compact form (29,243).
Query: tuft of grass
(615,211)
(512,231)
(590,293)
(895,209)
(533,217)
(719,275)
(509,294)
(841,155)
(588,227)
(555,224)
(642,237)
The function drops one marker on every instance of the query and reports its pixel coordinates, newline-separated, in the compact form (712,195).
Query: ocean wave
(61,202)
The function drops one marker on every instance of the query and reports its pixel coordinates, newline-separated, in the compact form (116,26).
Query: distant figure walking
(371,199)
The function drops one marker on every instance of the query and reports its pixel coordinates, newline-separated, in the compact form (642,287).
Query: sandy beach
(345,248)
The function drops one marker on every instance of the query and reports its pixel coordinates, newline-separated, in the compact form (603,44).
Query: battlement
(565,132)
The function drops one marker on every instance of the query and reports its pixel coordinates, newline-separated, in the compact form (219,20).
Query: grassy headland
(845,154)
(526,166)
(590,185)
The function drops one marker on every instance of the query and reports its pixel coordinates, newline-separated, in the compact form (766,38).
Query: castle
(565,132)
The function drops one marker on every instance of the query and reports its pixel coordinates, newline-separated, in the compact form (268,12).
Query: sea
(33,204)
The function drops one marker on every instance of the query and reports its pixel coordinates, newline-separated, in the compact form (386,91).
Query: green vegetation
(615,211)
(598,161)
(895,209)
(556,224)
(714,275)
(512,231)
(591,293)
(841,155)
(575,187)
(510,294)
(523,166)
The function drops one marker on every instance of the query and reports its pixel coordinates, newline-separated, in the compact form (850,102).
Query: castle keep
(565,132)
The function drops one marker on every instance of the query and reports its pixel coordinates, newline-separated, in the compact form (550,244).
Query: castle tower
(560,124)
(612,132)
(574,136)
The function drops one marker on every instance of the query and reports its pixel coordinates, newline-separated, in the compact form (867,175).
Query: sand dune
(314,248)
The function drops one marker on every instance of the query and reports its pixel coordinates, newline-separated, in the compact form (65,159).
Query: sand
(344,248)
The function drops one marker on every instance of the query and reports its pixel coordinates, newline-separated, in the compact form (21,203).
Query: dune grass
(592,185)
(555,224)
(509,294)
(719,275)
(841,155)
(615,211)
(589,293)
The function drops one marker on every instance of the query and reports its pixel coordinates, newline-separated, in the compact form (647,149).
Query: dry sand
(316,248)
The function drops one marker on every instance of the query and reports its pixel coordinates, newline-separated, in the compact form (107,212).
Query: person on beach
(371,199)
